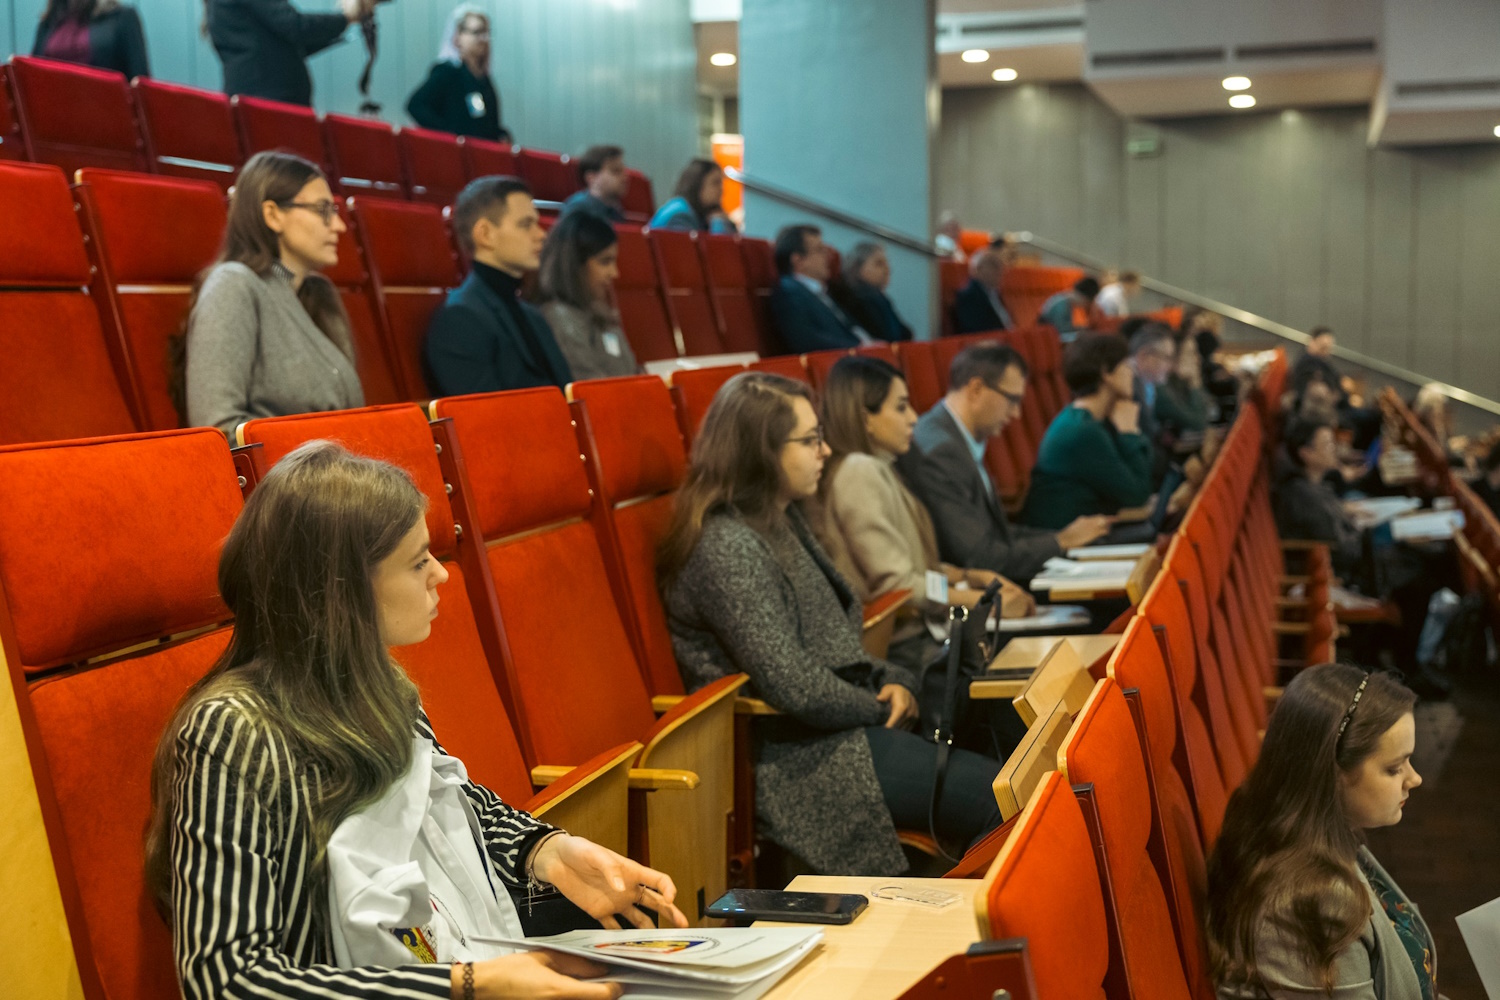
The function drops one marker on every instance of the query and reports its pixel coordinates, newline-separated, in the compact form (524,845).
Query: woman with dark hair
(267,334)
(877,533)
(867,273)
(696,202)
(1297,906)
(1093,458)
(1306,506)
(304,728)
(748,588)
(1182,407)
(101,33)
(459,94)
(575,289)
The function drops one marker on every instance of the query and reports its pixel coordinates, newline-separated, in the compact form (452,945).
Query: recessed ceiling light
(1242,101)
(1004,75)
(723,59)
(976,55)
(1236,83)
(1497,131)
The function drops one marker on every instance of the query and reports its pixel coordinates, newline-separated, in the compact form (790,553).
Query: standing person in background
(1117,299)
(697,201)
(1071,309)
(100,33)
(575,286)
(977,307)
(264,44)
(867,273)
(458,95)
(601,170)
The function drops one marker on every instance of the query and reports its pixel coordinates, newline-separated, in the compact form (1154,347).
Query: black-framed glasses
(813,440)
(1014,398)
(325,209)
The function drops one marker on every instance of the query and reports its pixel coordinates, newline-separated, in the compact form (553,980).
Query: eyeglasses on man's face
(325,209)
(1013,398)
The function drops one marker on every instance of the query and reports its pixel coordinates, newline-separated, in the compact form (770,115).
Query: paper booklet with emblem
(1481,930)
(731,963)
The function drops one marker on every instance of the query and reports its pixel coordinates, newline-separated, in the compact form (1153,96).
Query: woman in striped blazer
(305,721)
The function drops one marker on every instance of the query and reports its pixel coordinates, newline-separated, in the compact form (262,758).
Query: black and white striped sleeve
(237,932)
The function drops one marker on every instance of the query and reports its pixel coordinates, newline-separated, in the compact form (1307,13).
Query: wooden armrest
(753,706)
(1272,694)
(878,609)
(1291,628)
(656,779)
(661,704)
(995,688)
(1301,545)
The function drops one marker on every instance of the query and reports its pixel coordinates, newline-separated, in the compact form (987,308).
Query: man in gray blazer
(945,469)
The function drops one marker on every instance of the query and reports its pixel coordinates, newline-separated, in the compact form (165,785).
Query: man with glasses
(1153,354)
(945,469)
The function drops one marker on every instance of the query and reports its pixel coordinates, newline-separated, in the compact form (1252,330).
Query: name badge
(612,344)
(937,587)
(476,104)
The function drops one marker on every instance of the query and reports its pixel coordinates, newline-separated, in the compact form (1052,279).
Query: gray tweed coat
(736,607)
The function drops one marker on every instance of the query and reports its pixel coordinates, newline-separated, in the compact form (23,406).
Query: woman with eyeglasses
(1297,906)
(747,588)
(266,333)
(459,94)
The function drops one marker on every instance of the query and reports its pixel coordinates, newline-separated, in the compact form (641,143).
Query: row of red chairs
(77,116)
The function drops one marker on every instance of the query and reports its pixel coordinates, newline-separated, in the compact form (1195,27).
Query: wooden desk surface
(887,948)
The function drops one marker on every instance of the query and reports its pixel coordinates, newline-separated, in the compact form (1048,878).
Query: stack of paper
(1369,512)
(1095,553)
(1427,524)
(1047,617)
(1481,930)
(734,963)
(1068,574)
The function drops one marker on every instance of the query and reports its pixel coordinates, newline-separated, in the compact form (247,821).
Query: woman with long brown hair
(748,588)
(696,202)
(1297,905)
(304,726)
(266,332)
(575,288)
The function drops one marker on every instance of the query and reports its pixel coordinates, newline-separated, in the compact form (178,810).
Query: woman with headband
(1297,905)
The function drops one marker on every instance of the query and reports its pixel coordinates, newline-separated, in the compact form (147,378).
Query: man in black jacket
(805,315)
(977,307)
(484,338)
(264,44)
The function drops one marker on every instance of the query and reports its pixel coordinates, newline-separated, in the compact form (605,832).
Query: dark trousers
(905,765)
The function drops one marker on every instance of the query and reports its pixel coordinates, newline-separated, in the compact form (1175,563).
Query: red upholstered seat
(11,145)
(927,384)
(686,288)
(952,275)
(551,176)
(729,290)
(693,391)
(789,365)
(290,128)
(638,200)
(434,165)
(146,269)
(820,363)
(188,132)
(483,158)
(59,376)
(760,278)
(1025,288)
(75,116)
(413,265)
(372,356)
(364,155)
(638,296)
(1044,886)
(92,732)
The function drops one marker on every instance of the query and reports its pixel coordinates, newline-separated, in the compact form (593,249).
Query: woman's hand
(1126,416)
(535,974)
(603,884)
(903,705)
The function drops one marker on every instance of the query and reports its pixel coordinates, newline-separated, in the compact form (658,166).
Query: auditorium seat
(952,275)
(188,132)
(483,158)
(820,363)
(638,201)
(412,266)
(579,689)
(11,145)
(91,730)
(686,289)
(289,128)
(693,391)
(1103,751)
(146,270)
(760,279)
(551,176)
(364,155)
(638,297)
(926,382)
(433,163)
(61,377)
(788,365)
(372,356)
(75,116)
(729,289)
(452,668)
(1025,288)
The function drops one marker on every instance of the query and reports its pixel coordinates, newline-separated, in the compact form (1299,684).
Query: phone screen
(774,904)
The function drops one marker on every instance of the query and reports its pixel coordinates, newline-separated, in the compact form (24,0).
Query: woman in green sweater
(1093,459)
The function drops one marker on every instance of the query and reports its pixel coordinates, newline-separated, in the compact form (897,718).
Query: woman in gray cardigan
(267,334)
(747,588)
(575,286)
(1297,906)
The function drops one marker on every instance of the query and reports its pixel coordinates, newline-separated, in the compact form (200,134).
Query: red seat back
(483,158)
(372,356)
(92,731)
(146,270)
(59,377)
(188,132)
(686,289)
(789,365)
(434,165)
(551,176)
(729,289)
(638,200)
(1025,288)
(12,147)
(75,116)
(290,128)
(638,296)
(760,280)
(364,155)
(919,361)
(820,363)
(693,391)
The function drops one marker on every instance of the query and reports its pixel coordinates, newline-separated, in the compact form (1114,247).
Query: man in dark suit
(1153,353)
(484,338)
(977,307)
(945,469)
(804,313)
(264,44)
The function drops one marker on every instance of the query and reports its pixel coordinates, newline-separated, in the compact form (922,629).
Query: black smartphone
(797,907)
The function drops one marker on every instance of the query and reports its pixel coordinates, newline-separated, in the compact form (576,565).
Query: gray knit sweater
(253,351)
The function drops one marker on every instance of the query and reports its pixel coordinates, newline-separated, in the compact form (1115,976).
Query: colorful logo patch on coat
(417,942)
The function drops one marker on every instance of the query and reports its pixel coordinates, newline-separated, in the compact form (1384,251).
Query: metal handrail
(1261,323)
(837,215)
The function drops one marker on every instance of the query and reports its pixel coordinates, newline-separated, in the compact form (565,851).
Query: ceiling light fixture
(976,55)
(723,59)
(1497,131)
(1004,75)
(1236,83)
(1242,101)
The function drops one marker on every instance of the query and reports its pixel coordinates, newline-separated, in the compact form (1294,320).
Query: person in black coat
(977,307)
(101,33)
(264,44)
(804,313)
(458,95)
(484,338)
(866,275)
